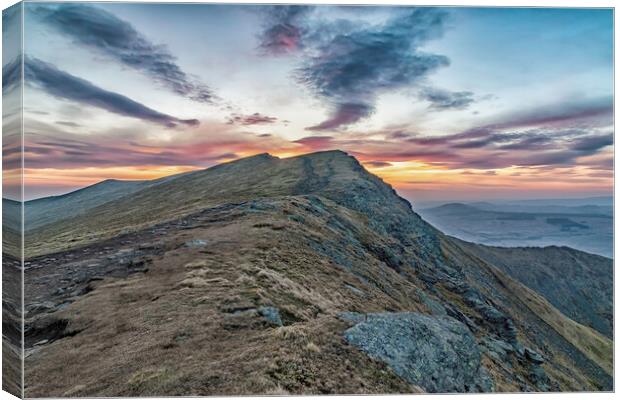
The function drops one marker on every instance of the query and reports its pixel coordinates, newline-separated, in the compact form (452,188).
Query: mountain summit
(299,275)
(332,174)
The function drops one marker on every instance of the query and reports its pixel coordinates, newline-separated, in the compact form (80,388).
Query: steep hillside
(274,276)
(576,283)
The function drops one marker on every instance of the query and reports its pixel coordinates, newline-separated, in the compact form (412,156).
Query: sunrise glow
(431,118)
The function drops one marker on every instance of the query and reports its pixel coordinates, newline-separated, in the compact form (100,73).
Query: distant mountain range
(298,275)
(570,222)
(599,201)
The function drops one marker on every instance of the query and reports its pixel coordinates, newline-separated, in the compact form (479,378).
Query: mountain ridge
(284,259)
(165,188)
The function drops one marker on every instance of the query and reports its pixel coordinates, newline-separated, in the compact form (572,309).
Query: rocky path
(56,280)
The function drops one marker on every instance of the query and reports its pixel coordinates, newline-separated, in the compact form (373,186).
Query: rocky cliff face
(301,275)
(576,283)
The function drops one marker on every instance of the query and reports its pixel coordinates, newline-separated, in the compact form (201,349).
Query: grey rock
(539,377)
(149,246)
(297,218)
(195,243)
(519,349)
(271,314)
(42,307)
(497,349)
(355,290)
(439,354)
(495,319)
(458,315)
(533,356)
(434,306)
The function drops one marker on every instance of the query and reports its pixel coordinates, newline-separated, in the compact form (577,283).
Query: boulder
(271,314)
(437,353)
(533,356)
(195,243)
(497,349)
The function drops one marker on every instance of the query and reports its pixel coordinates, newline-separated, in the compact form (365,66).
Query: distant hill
(539,207)
(456,208)
(601,201)
(46,210)
(300,275)
(11,214)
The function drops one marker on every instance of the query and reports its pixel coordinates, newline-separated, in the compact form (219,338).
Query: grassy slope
(48,210)
(196,307)
(255,256)
(591,343)
(167,201)
(295,275)
(243,180)
(11,214)
(594,345)
(559,273)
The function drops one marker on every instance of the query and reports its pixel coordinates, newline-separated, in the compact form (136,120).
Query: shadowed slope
(576,283)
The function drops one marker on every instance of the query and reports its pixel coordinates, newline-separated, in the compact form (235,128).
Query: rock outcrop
(438,354)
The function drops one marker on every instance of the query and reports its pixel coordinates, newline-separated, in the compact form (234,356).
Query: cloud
(11,16)
(69,124)
(583,113)
(350,69)
(315,143)
(476,148)
(66,86)
(283,31)
(593,143)
(529,143)
(103,31)
(445,100)
(400,135)
(378,164)
(50,145)
(11,73)
(69,155)
(344,114)
(252,119)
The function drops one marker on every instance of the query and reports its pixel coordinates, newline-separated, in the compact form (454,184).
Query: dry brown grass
(199,309)
(190,325)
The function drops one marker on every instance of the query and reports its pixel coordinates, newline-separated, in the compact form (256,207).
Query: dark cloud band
(351,69)
(565,137)
(440,99)
(98,29)
(63,85)
(252,119)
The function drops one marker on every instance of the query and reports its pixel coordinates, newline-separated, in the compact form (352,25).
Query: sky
(442,103)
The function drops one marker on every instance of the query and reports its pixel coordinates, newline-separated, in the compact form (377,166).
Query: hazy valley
(583,224)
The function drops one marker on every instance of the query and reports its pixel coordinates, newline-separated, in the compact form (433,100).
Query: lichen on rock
(437,353)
